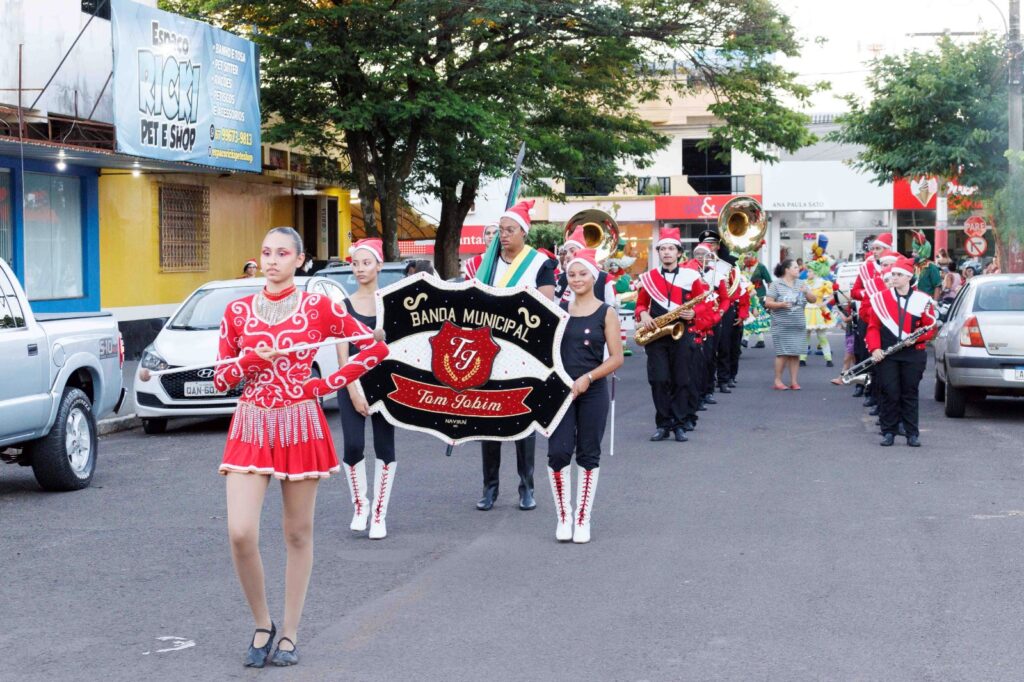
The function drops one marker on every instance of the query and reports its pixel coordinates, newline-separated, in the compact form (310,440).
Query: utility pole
(1016,113)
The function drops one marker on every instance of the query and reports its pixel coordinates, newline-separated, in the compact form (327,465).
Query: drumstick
(145,374)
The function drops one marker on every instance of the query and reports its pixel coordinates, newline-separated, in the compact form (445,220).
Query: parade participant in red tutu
(593,325)
(279,429)
(367,259)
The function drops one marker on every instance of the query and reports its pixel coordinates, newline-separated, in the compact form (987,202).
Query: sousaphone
(600,231)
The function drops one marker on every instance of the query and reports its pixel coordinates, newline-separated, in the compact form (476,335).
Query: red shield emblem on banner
(462,358)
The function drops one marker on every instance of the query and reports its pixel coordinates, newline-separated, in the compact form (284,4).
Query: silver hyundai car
(979,350)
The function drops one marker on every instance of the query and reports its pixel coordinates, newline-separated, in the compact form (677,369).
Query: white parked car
(191,337)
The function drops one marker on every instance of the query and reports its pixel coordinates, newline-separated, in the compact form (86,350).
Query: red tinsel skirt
(290,443)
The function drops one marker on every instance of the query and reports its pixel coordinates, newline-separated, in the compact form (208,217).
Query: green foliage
(433,95)
(543,235)
(1007,208)
(938,113)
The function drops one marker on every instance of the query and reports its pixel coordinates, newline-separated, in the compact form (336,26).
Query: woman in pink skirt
(279,429)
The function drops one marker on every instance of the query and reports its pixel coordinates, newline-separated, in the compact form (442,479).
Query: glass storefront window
(53,237)
(6,218)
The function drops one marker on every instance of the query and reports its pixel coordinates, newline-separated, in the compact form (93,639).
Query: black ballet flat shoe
(680,433)
(282,657)
(828,363)
(913,441)
(759,344)
(660,434)
(859,391)
(803,363)
(257,658)
(887,440)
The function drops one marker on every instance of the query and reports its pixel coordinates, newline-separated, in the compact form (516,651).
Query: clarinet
(856,373)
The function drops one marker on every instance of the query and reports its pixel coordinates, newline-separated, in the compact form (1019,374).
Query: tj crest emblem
(463,358)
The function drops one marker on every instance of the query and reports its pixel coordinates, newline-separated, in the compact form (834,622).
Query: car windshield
(205,308)
(347,279)
(1005,296)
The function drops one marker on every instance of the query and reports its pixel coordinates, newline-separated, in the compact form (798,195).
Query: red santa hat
(577,239)
(520,213)
(883,240)
(251,261)
(374,246)
(669,235)
(703,248)
(903,266)
(588,259)
(888,257)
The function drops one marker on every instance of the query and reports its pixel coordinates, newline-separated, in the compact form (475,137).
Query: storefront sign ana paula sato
(468,361)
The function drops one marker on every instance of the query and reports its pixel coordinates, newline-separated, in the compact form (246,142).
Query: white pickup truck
(58,375)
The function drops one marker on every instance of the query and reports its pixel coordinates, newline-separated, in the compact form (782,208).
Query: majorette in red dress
(279,428)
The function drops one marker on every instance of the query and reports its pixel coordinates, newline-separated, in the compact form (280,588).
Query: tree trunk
(389,210)
(1009,250)
(455,207)
(358,153)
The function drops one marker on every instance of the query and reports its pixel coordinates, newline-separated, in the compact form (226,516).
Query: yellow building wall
(344,219)
(240,214)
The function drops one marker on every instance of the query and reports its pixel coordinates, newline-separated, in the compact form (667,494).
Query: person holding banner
(367,258)
(509,262)
(473,264)
(593,325)
(279,429)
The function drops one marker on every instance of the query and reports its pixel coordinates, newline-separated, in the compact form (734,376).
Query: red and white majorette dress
(278,427)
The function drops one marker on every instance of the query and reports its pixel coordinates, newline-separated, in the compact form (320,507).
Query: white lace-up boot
(356,476)
(561,489)
(382,493)
(586,487)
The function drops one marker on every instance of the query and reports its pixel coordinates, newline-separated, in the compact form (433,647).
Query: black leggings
(353,429)
(581,430)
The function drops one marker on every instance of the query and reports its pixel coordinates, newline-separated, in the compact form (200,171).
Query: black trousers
(737,347)
(526,449)
(581,430)
(860,353)
(668,373)
(898,378)
(694,357)
(353,431)
(710,358)
(726,340)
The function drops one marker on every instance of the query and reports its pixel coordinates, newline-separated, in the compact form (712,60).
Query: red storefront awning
(695,207)
(472,243)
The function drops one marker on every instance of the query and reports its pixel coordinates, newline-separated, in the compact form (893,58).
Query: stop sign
(975,226)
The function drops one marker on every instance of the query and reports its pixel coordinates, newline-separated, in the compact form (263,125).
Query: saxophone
(669,323)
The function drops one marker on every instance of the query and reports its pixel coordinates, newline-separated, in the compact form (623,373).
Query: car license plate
(1015,374)
(200,389)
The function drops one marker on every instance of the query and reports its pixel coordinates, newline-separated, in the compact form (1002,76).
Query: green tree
(438,94)
(940,113)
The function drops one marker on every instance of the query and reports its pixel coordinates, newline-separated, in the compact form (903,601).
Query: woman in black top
(367,258)
(592,326)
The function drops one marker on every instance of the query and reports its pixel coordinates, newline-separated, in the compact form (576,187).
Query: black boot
(525,450)
(660,434)
(859,391)
(491,456)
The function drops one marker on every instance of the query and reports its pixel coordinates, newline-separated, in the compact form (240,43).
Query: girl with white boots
(367,257)
(593,326)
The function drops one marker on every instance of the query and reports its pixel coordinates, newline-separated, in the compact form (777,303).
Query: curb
(118,424)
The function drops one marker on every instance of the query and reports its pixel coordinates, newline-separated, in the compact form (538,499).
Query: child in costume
(818,315)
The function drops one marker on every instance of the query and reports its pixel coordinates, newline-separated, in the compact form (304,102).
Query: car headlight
(152,361)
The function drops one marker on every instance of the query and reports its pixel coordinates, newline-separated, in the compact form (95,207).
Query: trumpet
(858,373)
(670,323)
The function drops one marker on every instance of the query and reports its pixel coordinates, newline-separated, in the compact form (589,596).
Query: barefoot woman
(279,429)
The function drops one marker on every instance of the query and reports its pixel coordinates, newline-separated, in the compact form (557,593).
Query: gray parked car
(60,374)
(979,350)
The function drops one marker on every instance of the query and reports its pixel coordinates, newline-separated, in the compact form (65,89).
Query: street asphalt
(779,543)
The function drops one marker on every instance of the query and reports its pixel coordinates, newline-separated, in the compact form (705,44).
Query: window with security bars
(184,228)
